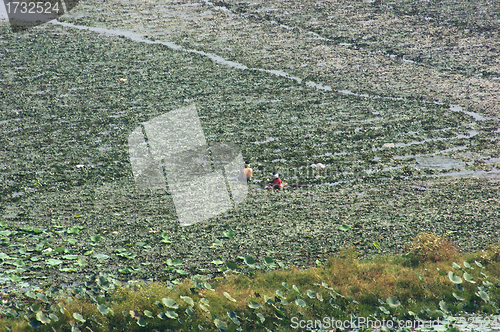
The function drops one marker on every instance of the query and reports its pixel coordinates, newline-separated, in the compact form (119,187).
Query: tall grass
(345,285)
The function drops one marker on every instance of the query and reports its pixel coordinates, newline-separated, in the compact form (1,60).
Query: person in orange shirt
(246,173)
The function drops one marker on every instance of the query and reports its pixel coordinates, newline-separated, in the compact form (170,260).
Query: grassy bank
(433,280)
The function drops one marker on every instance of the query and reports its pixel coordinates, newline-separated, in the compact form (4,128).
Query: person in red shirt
(277,184)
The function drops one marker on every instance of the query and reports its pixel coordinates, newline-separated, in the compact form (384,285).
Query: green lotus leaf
(454,278)
(249,260)
(300,303)
(232,315)
(254,305)
(103,309)
(467,265)
(190,311)
(148,313)
(345,228)
(456,266)
(141,322)
(78,317)
(393,301)
(42,318)
(188,300)
(311,294)
(220,324)
(468,278)
(458,297)
(168,302)
(384,310)
(229,297)
(261,317)
(171,314)
(484,296)
(444,306)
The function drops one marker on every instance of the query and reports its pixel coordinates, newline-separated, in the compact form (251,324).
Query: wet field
(398,101)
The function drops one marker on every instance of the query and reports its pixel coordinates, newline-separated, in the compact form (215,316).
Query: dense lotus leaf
(458,297)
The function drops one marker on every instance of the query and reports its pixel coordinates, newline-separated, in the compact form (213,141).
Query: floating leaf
(249,260)
(141,322)
(171,314)
(384,310)
(203,308)
(254,305)
(169,303)
(467,265)
(345,228)
(148,313)
(229,297)
(469,278)
(188,300)
(454,278)
(319,297)
(70,257)
(232,266)
(458,297)
(53,262)
(103,309)
(190,311)
(484,296)
(285,285)
(444,306)
(78,317)
(232,315)
(311,294)
(296,289)
(220,324)
(42,318)
(229,234)
(456,266)
(268,260)
(261,317)
(217,262)
(101,256)
(162,315)
(479,264)
(280,293)
(96,238)
(393,301)
(300,303)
